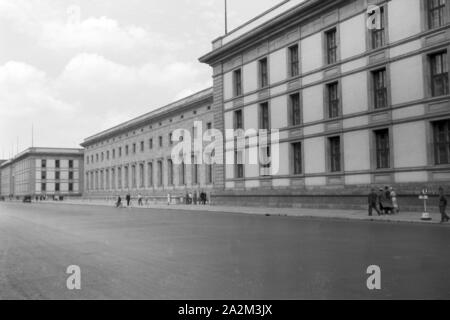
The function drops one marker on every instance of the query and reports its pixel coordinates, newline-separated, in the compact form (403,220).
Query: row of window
(111,179)
(57,164)
(57,175)
(382,147)
(439,86)
(195,112)
(57,187)
(100,157)
(436,18)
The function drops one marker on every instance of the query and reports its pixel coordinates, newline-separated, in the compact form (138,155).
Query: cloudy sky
(75,67)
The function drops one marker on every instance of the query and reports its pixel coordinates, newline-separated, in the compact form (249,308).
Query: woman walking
(394,201)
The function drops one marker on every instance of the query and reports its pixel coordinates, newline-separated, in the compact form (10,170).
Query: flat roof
(196,97)
(258,25)
(46,151)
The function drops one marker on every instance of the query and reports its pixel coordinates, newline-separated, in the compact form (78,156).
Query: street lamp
(424,196)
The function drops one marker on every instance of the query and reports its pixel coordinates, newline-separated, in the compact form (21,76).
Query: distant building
(135,157)
(43,171)
(358,104)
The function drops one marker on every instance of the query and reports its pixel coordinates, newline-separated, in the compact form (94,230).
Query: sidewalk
(404,217)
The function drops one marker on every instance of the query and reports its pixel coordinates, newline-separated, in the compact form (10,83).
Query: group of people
(384,202)
(196,198)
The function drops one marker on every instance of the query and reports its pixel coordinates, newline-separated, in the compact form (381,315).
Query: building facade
(358,90)
(43,172)
(136,157)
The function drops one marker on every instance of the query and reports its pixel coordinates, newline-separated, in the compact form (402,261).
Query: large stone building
(360,98)
(43,171)
(136,157)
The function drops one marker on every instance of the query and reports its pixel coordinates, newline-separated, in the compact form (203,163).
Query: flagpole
(226,17)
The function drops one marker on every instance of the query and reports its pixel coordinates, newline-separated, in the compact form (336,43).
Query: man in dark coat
(443,205)
(128,200)
(373,201)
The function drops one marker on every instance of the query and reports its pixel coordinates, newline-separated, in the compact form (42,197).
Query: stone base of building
(346,198)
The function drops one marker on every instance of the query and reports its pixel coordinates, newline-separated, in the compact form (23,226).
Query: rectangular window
(239,165)
(70,187)
(142,146)
(293,61)
(134,148)
(265,160)
(150,174)
(439,74)
(160,141)
(107,155)
(441,137)
(141,176)
(209,173)
(133,177)
(102,180)
(297,158)
(70,164)
(182,174)
(44,164)
(57,175)
(333,100)
(238,123)
(335,154)
(263,73)
(107,179)
(57,164)
(331,43)
(70,175)
(436,13)
(43,175)
(209,126)
(170,138)
(87,160)
(264,116)
(150,144)
(103,157)
(119,178)
(170,172)
(295,109)
(378,34)
(120,151)
(194,170)
(382,149)
(379,89)
(113,179)
(237,81)
(160,173)
(127,150)
(43,187)
(57,187)
(127,177)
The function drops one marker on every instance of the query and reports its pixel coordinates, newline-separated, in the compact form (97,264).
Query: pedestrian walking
(119,202)
(443,206)
(140,203)
(128,200)
(380,201)
(373,201)
(394,200)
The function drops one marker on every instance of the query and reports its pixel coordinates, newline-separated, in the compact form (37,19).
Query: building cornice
(154,116)
(283,21)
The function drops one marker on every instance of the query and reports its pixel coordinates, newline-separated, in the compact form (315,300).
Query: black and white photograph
(221,151)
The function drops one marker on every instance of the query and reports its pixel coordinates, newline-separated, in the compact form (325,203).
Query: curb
(203,210)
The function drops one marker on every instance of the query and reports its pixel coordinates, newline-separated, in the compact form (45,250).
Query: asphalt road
(150,254)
